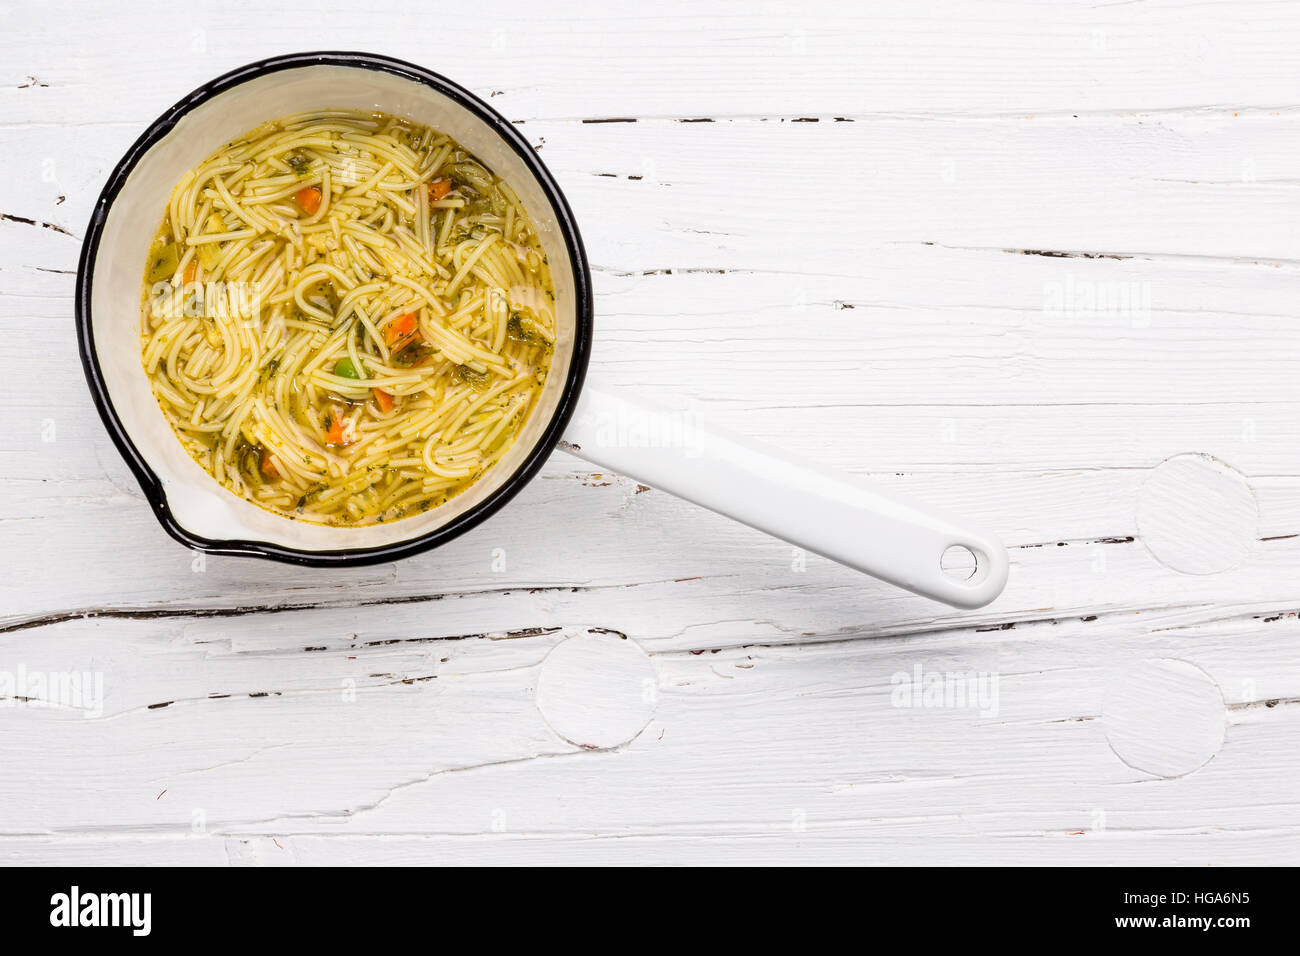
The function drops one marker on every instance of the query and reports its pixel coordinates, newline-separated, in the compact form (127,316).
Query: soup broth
(347,317)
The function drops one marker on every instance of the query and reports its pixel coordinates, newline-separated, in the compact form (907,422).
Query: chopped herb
(468,376)
(521,329)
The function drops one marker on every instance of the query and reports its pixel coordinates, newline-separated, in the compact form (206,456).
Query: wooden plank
(581,61)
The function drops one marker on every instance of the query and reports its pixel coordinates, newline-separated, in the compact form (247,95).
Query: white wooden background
(843,228)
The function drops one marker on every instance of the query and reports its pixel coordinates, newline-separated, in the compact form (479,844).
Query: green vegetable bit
(163,263)
(345,369)
(522,329)
(471,174)
(474,379)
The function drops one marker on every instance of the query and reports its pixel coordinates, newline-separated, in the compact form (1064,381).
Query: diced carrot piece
(337,433)
(401,332)
(268,466)
(308,200)
(191,271)
(438,189)
(384,400)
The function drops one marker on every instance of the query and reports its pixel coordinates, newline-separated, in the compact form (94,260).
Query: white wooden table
(1010,257)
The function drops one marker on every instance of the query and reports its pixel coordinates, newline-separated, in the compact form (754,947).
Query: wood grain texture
(1004,256)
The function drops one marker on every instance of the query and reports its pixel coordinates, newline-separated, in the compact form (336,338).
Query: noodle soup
(347,317)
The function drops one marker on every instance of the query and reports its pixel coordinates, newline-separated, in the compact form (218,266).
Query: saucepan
(817,508)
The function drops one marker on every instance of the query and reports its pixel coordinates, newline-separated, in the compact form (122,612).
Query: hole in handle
(959,563)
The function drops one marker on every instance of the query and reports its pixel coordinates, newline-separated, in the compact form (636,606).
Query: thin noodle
(361,358)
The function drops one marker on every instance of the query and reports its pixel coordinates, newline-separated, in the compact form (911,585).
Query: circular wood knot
(597,690)
(1165,717)
(1197,515)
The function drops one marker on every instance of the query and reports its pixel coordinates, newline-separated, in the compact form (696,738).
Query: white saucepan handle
(820,509)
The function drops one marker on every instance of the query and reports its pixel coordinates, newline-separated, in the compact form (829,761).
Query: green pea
(345,369)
